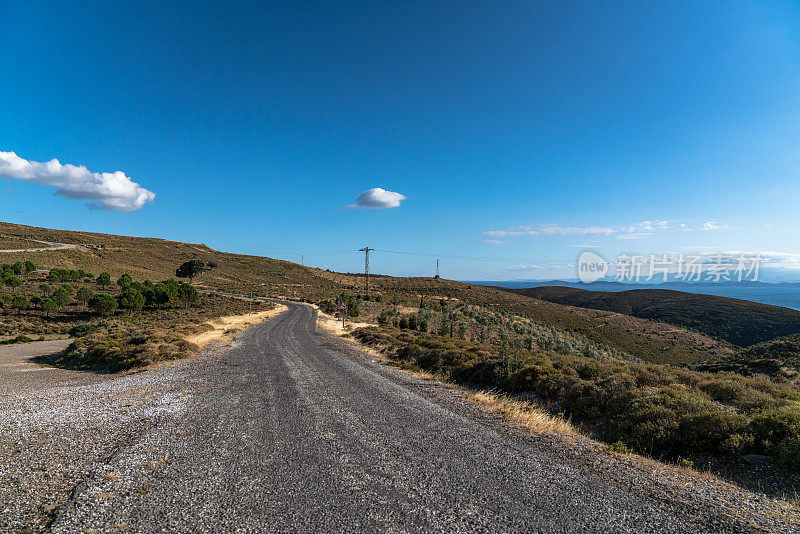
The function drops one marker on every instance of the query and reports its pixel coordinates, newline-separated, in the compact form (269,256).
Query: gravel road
(49,245)
(292,430)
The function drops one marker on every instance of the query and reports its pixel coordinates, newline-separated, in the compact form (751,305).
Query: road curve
(287,431)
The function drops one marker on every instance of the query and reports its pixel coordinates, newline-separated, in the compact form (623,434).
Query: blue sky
(514,130)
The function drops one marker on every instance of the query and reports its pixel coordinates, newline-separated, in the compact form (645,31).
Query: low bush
(82,330)
(22,338)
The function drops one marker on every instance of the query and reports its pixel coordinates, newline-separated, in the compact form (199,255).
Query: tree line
(133,295)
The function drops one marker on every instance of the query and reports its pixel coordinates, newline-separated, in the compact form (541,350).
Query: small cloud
(377,198)
(584,245)
(104,190)
(639,235)
(522,267)
(549,230)
(706,227)
(713,225)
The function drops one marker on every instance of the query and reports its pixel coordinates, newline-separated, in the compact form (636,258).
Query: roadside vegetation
(118,324)
(664,411)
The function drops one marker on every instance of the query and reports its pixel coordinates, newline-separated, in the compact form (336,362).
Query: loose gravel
(291,429)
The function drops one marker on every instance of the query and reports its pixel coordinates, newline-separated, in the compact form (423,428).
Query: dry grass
(334,325)
(157,259)
(222,326)
(522,414)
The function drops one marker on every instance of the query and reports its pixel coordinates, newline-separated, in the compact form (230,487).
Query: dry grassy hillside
(157,259)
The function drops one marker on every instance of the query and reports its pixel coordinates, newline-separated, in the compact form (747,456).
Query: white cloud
(647,226)
(768,256)
(638,230)
(639,235)
(706,227)
(549,230)
(377,198)
(713,225)
(522,267)
(106,190)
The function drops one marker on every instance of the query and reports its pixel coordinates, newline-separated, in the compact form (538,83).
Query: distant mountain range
(740,322)
(766,276)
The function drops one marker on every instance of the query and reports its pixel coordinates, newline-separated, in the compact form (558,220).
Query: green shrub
(22,338)
(588,371)
(620,447)
(787,452)
(707,430)
(774,426)
(82,330)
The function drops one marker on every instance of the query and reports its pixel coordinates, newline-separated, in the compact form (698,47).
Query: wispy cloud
(638,235)
(648,226)
(377,198)
(549,230)
(708,226)
(522,267)
(104,190)
(639,230)
(631,231)
(768,256)
(713,225)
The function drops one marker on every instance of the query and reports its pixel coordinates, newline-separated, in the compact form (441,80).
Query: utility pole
(366,251)
(437,268)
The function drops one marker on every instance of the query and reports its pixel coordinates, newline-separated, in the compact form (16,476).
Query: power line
(366,251)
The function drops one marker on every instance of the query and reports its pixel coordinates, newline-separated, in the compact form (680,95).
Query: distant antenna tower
(366,251)
(437,268)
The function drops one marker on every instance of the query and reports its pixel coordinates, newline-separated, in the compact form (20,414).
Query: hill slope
(652,341)
(776,358)
(740,322)
(157,259)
